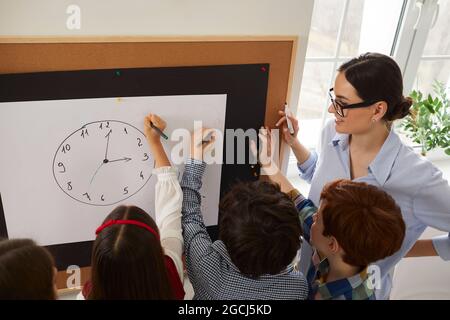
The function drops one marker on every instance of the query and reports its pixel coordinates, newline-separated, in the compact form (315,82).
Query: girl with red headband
(133,256)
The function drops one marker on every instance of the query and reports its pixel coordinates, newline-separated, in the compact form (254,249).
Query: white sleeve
(168,201)
(80,296)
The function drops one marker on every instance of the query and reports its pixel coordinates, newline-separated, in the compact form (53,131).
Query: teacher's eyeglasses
(339,107)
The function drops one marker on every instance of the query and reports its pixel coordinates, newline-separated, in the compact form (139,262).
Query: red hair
(365,220)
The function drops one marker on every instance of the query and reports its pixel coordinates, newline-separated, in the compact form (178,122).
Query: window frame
(416,18)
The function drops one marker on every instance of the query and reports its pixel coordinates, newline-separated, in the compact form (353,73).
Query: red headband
(133,222)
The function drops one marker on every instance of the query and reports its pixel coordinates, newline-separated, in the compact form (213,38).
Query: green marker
(158,130)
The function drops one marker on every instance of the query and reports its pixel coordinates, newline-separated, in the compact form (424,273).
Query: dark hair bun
(401,110)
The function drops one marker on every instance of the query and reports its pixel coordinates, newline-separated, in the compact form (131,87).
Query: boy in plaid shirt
(355,225)
(258,240)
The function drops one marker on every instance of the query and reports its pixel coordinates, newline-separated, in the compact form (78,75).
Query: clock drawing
(103,163)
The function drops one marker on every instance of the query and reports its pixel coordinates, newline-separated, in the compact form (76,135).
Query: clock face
(103,163)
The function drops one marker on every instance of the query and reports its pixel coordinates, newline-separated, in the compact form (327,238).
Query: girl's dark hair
(376,76)
(260,228)
(128,261)
(26,271)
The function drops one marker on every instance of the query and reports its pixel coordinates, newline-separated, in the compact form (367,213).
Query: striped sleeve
(306,211)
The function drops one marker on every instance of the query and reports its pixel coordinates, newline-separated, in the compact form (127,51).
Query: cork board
(37,55)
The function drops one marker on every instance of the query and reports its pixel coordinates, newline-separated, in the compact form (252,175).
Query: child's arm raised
(154,139)
(305,207)
(168,195)
(197,242)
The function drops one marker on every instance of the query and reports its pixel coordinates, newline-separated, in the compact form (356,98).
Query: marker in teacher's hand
(287,112)
(158,130)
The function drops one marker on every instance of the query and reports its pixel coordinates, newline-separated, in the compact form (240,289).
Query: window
(416,33)
(340,30)
(434,63)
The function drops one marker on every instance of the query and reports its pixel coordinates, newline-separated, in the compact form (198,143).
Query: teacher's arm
(432,206)
(422,248)
(306,159)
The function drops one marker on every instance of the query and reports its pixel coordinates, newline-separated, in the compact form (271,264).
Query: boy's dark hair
(26,271)
(260,227)
(128,261)
(365,220)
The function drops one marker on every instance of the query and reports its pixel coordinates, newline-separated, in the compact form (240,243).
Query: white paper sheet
(49,162)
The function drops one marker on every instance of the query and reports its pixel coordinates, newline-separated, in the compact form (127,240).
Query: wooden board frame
(36,54)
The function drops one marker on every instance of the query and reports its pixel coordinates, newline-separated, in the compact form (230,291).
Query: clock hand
(122,159)
(103,162)
(107,144)
(107,161)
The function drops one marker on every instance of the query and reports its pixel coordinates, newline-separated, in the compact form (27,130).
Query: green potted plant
(428,125)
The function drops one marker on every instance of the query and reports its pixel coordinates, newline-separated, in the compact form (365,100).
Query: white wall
(158,17)
(170,18)
(161,18)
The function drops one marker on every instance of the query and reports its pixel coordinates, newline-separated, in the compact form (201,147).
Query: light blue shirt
(415,183)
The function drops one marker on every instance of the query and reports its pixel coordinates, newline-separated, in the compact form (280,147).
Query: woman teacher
(361,145)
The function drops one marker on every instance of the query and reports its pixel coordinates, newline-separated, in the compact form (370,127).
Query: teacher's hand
(289,138)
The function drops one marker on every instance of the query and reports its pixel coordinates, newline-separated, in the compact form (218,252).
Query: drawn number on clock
(145,157)
(87,196)
(84,133)
(65,148)
(142,176)
(102,198)
(125,129)
(125,190)
(69,185)
(61,165)
(101,125)
(139,142)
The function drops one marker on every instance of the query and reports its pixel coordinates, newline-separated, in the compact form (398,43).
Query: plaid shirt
(210,269)
(357,287)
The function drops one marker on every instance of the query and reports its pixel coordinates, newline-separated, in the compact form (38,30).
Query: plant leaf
(429,106)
